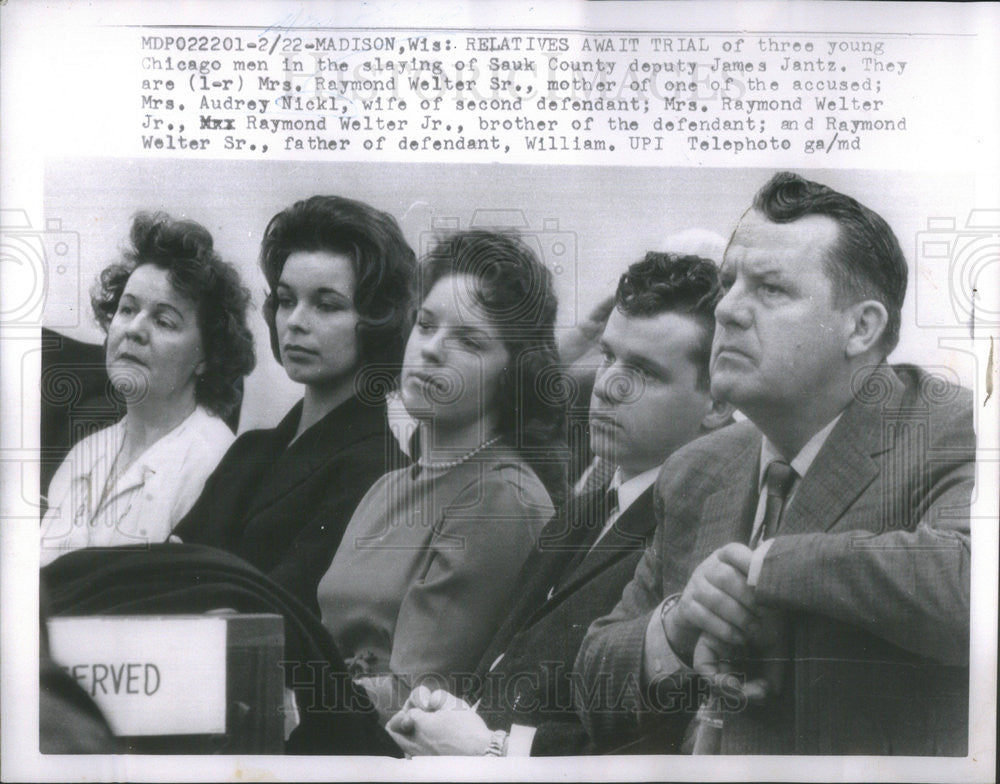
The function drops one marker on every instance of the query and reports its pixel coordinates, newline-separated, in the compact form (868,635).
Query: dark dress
(284,509)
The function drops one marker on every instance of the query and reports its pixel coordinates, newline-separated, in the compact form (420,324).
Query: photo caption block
(529,97)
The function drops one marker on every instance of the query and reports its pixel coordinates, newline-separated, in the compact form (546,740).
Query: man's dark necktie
(599,476)
(779,477)
(610,503)
(778,480)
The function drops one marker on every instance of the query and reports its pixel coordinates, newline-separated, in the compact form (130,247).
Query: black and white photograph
(592,392)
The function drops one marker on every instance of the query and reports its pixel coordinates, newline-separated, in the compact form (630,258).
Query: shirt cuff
(658,658)
(757,562)
(291,711)
(520,739)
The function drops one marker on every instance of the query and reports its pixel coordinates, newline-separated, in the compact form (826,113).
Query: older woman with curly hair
(177,347)
(340,276)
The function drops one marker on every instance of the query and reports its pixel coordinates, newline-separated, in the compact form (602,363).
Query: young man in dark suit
(810,569)
(650,396)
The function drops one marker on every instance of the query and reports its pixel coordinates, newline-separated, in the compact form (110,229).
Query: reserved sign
(150,675)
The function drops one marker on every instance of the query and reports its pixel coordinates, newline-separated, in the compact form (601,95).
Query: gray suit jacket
(871,565)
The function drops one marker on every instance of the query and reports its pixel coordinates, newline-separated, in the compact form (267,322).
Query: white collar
(630,490)
(803,460)
(160,452)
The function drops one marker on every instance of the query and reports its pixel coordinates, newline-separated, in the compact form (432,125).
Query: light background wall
(588,222)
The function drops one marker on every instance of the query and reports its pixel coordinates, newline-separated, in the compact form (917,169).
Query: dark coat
(284,509)
(167,579)
(539,641)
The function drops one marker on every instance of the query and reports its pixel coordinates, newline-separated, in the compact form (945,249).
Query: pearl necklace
(443,464)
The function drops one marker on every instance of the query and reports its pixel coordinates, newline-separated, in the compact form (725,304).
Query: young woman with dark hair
(428,564)
(339,274)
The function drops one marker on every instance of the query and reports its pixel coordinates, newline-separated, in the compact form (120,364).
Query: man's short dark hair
(670,283)
(867,262)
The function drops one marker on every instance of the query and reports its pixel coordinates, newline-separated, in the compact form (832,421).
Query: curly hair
(516,292)
(184,249)
(866,262)
(667,282)
(382,261)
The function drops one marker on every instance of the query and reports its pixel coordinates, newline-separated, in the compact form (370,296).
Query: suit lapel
(293,465)
(630,533)
(559,542)
(845,467)
(627,535)
(549,566)
(576,528)
(838,475)
(727,514)
(273,482)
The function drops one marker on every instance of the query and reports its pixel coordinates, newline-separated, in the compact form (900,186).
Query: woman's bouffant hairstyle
(382,261)
(516,292)
(184,249)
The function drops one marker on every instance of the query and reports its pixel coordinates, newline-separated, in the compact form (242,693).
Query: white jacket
(146,502)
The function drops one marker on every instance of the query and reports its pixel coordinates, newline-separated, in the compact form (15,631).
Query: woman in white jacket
(177,346)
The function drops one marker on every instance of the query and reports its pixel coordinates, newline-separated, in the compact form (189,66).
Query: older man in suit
(650,396)
(810,569)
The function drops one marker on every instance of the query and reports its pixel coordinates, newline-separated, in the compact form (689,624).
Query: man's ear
(866,321)
(720,414)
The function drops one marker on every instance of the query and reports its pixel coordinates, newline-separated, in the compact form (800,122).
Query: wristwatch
(668,604)
(497,747)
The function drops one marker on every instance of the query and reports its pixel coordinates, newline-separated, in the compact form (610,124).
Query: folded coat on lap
(184,578)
